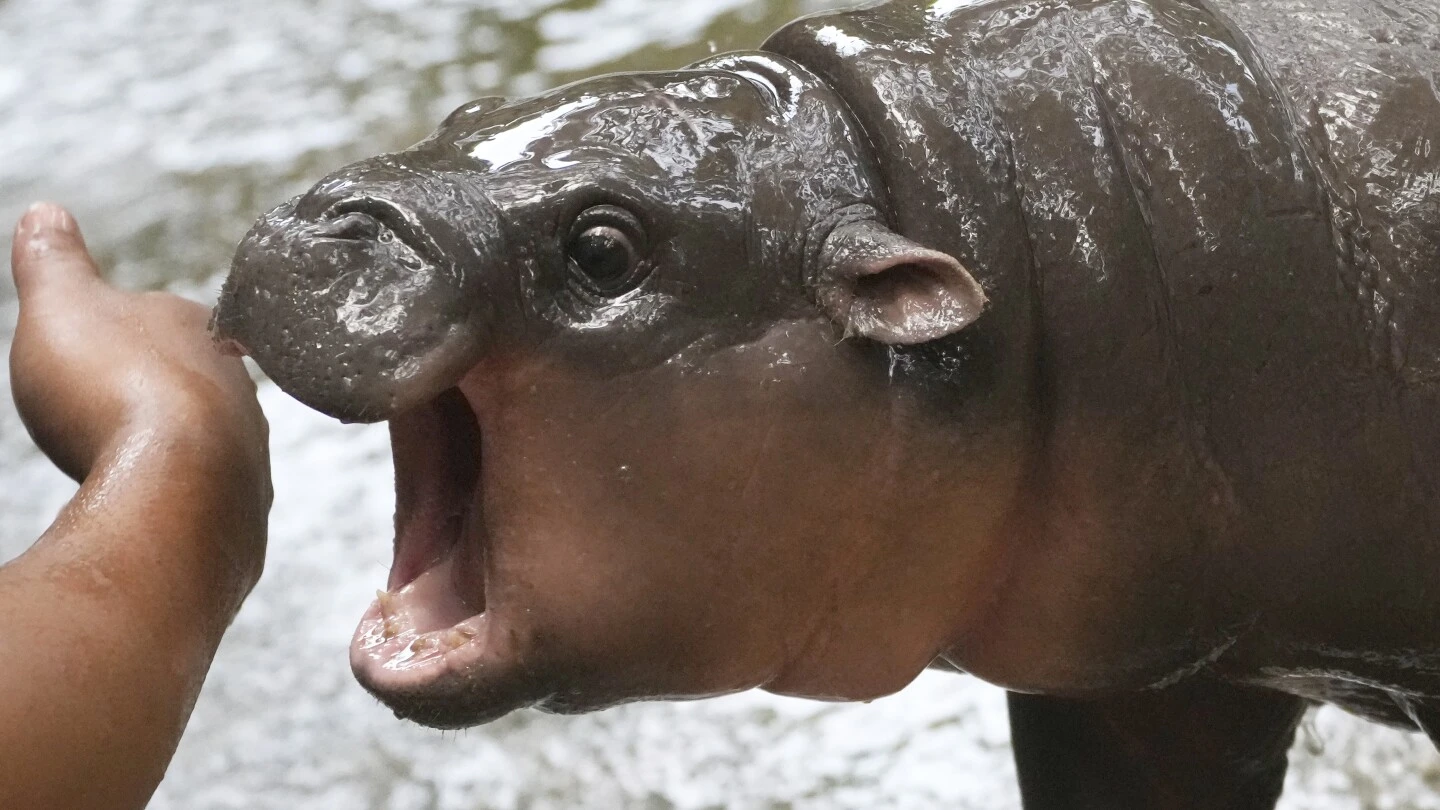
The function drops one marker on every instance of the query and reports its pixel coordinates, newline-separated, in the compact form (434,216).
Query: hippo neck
(1114,180)
(966,175)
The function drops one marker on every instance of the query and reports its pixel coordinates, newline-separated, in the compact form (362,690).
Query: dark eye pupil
(602,253)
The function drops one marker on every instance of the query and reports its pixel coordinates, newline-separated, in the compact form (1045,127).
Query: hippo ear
(880,285)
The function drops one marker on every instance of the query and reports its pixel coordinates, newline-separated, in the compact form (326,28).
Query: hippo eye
(604,248)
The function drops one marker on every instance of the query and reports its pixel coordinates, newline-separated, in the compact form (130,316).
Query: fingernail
(44,217)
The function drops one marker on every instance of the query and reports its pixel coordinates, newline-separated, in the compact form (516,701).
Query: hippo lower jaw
(431,635)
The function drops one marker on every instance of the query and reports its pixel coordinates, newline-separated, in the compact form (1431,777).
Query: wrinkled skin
(1084,347)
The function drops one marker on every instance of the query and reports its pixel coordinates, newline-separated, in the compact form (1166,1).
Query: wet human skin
(1083,347)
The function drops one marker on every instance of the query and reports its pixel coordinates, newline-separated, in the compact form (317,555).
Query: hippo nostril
(374,219)
(354,225)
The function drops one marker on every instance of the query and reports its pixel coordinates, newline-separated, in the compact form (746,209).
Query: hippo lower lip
(431,626)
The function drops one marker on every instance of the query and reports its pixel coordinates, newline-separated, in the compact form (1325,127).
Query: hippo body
(1227,234)
(1091,348)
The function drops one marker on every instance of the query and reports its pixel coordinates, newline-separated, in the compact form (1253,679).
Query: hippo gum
(1091,348)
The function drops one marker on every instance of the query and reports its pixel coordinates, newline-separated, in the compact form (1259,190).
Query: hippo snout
(360,298)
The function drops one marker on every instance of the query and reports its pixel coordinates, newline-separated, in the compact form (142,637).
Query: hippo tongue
(421,622)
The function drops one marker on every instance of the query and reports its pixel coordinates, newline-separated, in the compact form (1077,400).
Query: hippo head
(634,339)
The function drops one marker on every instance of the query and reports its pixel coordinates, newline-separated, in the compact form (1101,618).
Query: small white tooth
(392,628)
(386,600)
(457,636)
(422,644)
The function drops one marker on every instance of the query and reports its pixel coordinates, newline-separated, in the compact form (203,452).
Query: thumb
(49,250)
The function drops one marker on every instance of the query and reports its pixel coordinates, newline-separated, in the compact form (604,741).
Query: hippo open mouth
(430,623)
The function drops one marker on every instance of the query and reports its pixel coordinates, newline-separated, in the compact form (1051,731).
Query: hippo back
(1359,78)
(1219,236)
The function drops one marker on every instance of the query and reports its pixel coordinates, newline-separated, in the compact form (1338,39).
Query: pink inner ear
(914,301)
(897,283)
(888,288)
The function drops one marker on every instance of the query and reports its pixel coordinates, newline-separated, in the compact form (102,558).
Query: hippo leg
(1192,747)
(1424,712)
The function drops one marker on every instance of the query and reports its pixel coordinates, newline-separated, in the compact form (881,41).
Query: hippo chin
(1092,348)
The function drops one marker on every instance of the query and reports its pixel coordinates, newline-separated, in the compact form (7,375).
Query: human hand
(145,568)
(100,373)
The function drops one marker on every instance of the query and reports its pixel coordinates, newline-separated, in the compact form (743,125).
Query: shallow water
(167,127)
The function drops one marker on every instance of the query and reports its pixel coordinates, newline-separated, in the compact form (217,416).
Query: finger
(49,250)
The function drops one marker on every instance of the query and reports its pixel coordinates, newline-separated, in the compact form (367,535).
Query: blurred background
(168,126)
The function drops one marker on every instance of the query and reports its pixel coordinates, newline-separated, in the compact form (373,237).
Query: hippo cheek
(503,592)
(516,582)
(571,542)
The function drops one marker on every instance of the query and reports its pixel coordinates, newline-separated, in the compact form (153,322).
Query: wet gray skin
(1085,347)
